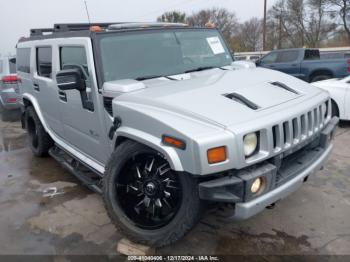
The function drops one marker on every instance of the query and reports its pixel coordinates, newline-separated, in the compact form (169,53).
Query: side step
(90,179)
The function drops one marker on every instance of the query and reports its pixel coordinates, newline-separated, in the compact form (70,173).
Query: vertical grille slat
(293,131)
(316,121)
(303,126)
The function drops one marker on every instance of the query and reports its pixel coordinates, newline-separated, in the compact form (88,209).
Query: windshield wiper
(202,68)
(141,78)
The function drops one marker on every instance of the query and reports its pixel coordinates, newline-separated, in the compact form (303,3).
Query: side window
(23,60)
(12,64)
(288,56)
(1,69)
(270,58)
(75,57)
(44,61)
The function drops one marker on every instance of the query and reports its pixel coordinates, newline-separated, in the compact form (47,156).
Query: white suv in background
(9,106)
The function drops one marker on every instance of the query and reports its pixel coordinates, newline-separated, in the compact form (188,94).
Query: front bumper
(281,179)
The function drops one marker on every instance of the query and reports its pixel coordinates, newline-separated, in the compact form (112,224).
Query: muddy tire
(39,141)
(146,200)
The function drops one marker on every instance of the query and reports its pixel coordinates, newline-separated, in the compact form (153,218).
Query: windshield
(142,55)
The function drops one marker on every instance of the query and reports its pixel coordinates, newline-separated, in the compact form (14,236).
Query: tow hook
(117,122)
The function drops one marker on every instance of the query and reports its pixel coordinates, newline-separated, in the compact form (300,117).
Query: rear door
(45,88)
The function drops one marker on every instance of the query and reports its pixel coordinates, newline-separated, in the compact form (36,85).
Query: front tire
(146,200)
(39,141)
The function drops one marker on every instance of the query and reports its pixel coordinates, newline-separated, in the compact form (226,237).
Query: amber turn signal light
(95,29)
(217,155)
(174,142)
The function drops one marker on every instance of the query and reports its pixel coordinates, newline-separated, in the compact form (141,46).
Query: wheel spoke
(147,201)
(158,203)
(167,203)
(138,172)
(167,194)
(163,169)
(149,167)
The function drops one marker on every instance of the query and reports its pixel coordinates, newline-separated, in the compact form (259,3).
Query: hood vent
(242,100)
(285,87)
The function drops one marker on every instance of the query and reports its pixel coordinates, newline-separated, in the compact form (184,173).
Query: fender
(153,142)
(99,167)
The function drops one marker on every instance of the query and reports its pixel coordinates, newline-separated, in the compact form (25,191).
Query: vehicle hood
(204,95)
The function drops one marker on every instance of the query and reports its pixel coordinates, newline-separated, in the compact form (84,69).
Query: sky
(17,17)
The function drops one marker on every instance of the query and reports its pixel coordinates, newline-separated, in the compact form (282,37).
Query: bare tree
(250,35)
(223,19)
(342,9)
(301,22)
(172,17)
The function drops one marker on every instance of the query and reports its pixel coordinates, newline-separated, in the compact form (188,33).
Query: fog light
(257,185)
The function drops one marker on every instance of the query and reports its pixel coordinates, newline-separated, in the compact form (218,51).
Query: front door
(83,127)
(284,61)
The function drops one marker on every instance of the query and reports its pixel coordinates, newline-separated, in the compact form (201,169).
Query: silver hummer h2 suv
(160,120)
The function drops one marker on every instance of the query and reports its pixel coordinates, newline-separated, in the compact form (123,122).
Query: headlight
(250,143)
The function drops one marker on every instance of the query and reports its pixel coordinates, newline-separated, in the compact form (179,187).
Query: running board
(85,175)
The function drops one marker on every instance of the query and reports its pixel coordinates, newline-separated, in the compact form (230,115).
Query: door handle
(36,87)
(62,95)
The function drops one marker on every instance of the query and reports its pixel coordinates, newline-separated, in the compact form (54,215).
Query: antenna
(87,11)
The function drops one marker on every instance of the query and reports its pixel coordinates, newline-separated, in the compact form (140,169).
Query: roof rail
(69,27)
(119,26)
(40,31)
(80,26)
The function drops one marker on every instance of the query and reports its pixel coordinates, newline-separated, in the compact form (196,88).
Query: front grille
(107,102)
(295,130)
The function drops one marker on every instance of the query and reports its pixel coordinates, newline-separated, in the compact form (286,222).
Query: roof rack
(144,25)
(60,28)
(69,28)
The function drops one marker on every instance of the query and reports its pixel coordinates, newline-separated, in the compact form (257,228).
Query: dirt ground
(314,220)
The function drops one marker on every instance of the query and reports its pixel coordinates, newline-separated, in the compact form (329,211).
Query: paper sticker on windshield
(215,45)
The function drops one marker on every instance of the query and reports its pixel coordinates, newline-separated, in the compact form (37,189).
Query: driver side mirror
(258,62)
(70,79)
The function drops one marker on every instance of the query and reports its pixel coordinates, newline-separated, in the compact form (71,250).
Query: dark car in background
(305,64)
(9,97)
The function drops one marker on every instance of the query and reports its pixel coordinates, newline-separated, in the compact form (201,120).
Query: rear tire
(39,141)
(127,180)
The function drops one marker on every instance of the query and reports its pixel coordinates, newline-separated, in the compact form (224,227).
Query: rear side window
(44,61)
(23,60)
(312,55)
(12,64)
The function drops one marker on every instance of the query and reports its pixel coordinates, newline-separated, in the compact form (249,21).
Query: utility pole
(264,26)
(280,32)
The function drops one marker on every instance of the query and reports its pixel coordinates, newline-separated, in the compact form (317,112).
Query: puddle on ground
(12,136)
(241,243)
